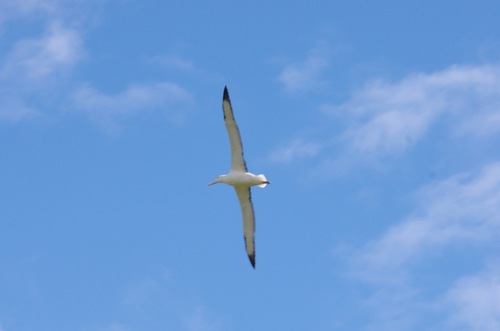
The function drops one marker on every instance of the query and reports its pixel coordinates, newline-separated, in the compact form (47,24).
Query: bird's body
(244,179)
(240,178)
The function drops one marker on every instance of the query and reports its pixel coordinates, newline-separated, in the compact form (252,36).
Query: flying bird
(240,178)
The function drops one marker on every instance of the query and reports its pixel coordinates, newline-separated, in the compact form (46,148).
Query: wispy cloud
(141,295)
(460,212)
(34,60)
(37,69)
(200,320)
(307,74)
(158,297)
(381,120)
(474,301)
(296,149)
(106,109)
(482,125)
(43,9)
(174,62)
(464,209)
(12,108)
(35,64)
(391,117)
(11,9)
(459,105)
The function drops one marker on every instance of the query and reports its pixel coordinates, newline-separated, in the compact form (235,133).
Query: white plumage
(240,178)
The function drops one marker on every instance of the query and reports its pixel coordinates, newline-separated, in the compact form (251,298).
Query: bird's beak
(212,183)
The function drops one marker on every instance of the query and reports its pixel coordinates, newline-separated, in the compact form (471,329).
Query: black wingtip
(226,94)
(252,260)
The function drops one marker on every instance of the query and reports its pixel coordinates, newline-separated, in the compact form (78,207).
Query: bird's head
(220,179)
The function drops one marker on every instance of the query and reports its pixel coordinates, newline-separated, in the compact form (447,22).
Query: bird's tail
(264,181)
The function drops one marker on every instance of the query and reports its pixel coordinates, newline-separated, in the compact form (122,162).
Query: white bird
(240,178)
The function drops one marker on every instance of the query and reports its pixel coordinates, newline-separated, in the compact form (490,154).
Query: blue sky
(377,122)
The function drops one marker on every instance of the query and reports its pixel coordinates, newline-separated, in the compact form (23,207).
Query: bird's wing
(237,160)
(248,221)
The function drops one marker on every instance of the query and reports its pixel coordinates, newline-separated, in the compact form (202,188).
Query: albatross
(240,178)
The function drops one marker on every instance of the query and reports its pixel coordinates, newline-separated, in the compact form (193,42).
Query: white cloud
(459,213)
(44,11)
(13,109)
(296,149)
(157,298)
(36,70)
(174,62)
(482,125)
(390,117)
(10,9)
(33,67)
(464,209)
(199,320)
(34,60)
(306,75)
(105,108)
(474,301)
(459,105)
